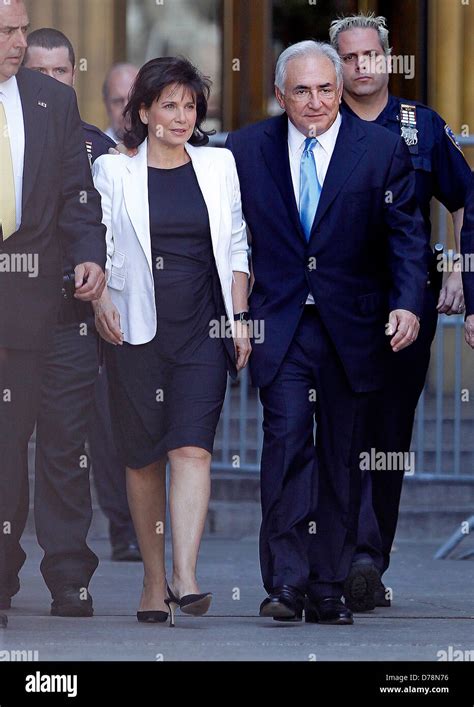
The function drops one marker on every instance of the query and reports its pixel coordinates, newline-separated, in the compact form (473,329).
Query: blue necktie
(310,188)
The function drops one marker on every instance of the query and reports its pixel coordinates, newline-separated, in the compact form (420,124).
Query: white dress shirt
(322,152)
(10,97)
(111,133)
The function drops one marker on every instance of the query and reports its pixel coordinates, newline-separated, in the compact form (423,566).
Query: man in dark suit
(74,404)
(46,189)
(337,247)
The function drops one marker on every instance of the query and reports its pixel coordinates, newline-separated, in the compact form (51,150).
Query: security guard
(74,408)
(442,172)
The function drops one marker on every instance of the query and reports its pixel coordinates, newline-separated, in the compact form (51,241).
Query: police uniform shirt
(97,142)
(441,168)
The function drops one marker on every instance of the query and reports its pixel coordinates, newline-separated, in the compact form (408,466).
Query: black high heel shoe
(152,617)
(192,604)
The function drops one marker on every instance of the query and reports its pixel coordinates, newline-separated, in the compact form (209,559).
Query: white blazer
(123,184)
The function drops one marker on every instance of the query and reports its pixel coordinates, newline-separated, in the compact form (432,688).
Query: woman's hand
(243,348)
(107,319)
(451,297)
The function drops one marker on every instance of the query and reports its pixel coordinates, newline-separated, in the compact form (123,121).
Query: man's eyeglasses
(305,94)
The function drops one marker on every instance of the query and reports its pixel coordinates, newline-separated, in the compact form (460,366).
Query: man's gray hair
(360,21)
(306,48)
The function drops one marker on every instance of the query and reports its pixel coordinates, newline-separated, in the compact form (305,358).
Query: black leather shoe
(7,592)
(284,603)
(126,552)
(381,598)
(360,586)
(5,602)
(327,611)
(3,621)
(69,602)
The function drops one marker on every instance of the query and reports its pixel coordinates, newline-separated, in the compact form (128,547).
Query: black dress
(169,392)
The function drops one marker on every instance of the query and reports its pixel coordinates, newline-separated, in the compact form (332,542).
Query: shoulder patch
(452,137)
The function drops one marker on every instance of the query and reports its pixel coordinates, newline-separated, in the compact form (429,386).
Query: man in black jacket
(46,189)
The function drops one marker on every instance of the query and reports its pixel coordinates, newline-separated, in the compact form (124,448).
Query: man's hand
(242,344)
(451,297)
(107,319)
(469,330)
(403,327)
(120,149)
(90,281)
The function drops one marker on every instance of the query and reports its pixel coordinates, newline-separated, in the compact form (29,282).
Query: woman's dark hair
(151,80)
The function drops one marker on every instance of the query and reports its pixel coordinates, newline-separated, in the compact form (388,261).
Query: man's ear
(280,98)
(74,77)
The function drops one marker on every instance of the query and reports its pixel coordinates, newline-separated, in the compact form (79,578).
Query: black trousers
(20,388)
(310,488)
(392,417)
(63,509)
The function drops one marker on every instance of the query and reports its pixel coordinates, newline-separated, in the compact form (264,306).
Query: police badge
(408,124)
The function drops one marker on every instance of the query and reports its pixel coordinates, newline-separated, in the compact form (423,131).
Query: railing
(443,436)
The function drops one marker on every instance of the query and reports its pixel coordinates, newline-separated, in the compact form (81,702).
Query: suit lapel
(275,153)
(35,117)
(347,153)
(135,191)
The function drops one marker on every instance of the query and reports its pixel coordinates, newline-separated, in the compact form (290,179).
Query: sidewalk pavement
(432,611)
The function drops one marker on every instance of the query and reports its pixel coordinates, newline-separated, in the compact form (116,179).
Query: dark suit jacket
(366,255)
(467,248)
(58,197)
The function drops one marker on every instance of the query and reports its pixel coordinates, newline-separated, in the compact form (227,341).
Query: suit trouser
(20,386)
(107,468)
(392,418)
(63,509)
(310,490)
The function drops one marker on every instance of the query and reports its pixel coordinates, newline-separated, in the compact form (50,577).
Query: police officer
(74,407)
(442,172)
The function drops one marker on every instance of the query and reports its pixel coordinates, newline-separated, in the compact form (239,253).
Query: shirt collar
(9,88)
(388,114)
(327,140)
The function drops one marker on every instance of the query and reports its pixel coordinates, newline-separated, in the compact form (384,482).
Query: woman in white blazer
(177,275)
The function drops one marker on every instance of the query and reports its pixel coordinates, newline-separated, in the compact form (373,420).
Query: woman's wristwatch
(242,317)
